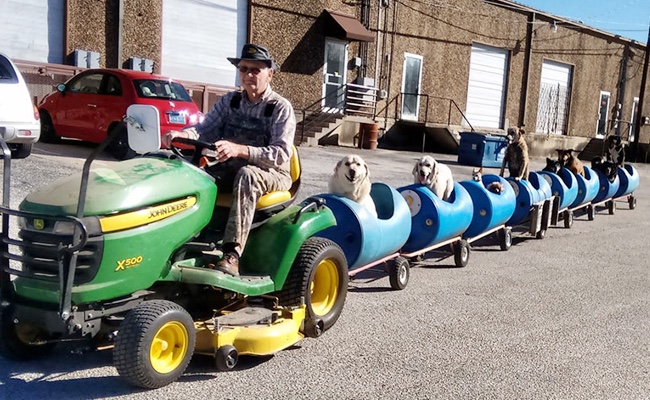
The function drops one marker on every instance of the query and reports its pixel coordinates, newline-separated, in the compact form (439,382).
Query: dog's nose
(422,173)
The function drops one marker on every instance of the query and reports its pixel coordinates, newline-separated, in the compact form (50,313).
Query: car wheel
(119,148)
(22,150)
(48,134)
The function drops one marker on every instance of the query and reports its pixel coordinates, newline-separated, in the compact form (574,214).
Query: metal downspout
(523,110)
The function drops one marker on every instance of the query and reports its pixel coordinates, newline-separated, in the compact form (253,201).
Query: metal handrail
(426,105)
(452,102)
(357,99)
(318,102)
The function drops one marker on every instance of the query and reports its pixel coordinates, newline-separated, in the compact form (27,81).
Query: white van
(19,120)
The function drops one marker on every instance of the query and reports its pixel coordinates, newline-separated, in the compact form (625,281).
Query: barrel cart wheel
(461,253)
(611,207)
(541,234)
(568,219)
(398,273)
(632,202)
(591,212)
(505,238)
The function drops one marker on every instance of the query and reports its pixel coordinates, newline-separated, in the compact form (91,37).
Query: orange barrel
(368,136)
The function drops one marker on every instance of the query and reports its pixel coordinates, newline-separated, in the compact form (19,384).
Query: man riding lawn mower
(121,255)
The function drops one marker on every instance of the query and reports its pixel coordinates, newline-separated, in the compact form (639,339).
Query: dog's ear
(337,166)
(416,168)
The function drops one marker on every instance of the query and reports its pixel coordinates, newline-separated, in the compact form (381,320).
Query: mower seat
(273,202)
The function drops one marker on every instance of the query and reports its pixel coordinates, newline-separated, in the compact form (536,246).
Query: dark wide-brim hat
(254,52)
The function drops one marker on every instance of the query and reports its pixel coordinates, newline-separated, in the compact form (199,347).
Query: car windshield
(7,74)
(160,89)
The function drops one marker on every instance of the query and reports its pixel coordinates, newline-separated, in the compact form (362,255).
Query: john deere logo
(252,50)
(39,224)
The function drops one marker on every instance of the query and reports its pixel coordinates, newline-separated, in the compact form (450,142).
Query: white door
(32,30)
(554,97)
(334,75)
(486,88)
(635,110)
(603,114)
(411,84)
(197,36)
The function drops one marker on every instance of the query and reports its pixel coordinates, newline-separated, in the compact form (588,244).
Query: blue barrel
(606,189)
(629,180)
(526,195)
(434,220)
(588,186)
(363,237)
(564,185)
(490,209)
(541,185)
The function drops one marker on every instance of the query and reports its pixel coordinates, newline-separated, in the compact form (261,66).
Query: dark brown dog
(516,156)
(567,160)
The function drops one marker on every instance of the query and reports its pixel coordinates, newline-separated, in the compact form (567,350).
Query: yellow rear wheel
(319,275)
(324,287)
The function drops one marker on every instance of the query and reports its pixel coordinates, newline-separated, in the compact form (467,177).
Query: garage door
(554,97)
(197,37)
(487,86)
(32,30)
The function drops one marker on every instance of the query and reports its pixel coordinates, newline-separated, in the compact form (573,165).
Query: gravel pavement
(566,317)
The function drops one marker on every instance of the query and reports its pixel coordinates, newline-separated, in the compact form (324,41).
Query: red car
(92,104)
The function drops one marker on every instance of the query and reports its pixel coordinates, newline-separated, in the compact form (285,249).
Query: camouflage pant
(251,182)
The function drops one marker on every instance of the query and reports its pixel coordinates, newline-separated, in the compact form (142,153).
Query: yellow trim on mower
(145,216)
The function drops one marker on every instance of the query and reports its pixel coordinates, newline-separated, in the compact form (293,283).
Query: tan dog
(567,160)
(437,176)
(351,179)
(516,157)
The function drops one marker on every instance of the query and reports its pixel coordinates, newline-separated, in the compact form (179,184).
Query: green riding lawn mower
(119,257)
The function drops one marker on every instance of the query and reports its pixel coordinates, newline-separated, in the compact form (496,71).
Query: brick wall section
(442,31)
(293,31)
(94,25)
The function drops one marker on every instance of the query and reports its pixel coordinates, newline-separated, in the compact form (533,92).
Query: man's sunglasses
(245,70)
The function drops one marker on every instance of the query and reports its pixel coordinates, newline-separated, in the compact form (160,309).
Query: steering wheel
(198,145)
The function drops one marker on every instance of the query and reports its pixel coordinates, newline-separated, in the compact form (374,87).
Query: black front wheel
(154,344)
(319,275)
(22,341)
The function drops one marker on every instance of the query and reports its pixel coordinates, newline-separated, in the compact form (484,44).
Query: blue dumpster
(481,150)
